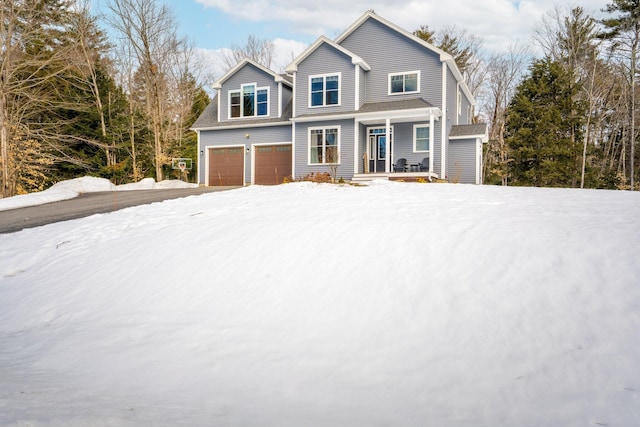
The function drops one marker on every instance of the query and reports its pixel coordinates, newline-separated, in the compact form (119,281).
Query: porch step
(408,176)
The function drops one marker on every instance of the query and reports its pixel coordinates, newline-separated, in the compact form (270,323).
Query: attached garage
(226,166)
(272,163)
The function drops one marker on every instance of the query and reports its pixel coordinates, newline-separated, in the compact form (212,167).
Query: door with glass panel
(378,149)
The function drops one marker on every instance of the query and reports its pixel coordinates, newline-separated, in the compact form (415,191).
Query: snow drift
(302,304)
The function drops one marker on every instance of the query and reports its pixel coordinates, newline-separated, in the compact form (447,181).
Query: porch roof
(478,130)
(410,109)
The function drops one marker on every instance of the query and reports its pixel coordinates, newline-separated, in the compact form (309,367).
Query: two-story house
(376,102)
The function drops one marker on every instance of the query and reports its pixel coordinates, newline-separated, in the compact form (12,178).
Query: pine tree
(543,127)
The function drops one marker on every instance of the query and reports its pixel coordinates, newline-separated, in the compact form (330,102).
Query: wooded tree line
(567,119)
(74,102)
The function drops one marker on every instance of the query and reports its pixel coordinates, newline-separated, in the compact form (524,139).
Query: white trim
(294,91)
(458,103)
(293,150)
(248,125)
(356,101)
(213,147)
(402,74)
(198,153)
(432,134)
(416,113)
(323,128)
(324,90)
(219,96)
(279,99)
(253,155)
(389,134)
(416,126)
(389,148)
(479,136)
(444,136)
(356,140)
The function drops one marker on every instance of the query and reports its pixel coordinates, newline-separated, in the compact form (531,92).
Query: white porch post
(387,159)
(431,143)
(356,144)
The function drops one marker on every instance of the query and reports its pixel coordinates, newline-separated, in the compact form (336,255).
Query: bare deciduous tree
(149,29)
(258,50)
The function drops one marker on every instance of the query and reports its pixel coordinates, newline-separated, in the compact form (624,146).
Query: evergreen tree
(543,127)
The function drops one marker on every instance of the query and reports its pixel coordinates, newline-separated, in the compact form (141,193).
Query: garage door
(226,166)
(272,164)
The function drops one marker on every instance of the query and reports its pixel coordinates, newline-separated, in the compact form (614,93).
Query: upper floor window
(324,90)
(250,101)
(404,82)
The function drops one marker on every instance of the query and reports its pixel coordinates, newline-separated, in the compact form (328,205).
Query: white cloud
(499,23)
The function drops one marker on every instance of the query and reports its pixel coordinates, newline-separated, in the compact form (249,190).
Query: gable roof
(277,77)
(355,59)
(444,56)
(209,119)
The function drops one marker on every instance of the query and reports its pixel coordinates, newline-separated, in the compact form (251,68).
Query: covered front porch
(393,142)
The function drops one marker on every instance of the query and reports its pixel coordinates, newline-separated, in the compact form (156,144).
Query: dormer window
(249,101)
(401,83)
(324,90)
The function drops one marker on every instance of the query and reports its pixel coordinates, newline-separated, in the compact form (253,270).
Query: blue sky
(213,25)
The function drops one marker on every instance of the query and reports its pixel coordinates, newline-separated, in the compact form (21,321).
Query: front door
(378,149)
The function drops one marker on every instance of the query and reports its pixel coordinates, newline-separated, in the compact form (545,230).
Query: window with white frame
(249,101)
(421,138)
(324,90)
(324,145)
(400,83)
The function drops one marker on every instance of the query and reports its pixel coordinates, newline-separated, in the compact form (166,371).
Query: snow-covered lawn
(322,305)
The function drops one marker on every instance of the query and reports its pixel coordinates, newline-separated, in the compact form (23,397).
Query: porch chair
(424,165)
(400,165)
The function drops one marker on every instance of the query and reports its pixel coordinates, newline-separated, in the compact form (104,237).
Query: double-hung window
(249,101)
(324,90)
(400,83)
(421,138)
(324,145)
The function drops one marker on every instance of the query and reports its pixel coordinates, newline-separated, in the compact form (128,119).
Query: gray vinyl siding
(224,137)
(363,87)
(246,75)
(301,148)
(387,51)
(462,161)
(325,60)
(465,111)
(287,94)
(403,142)
(452,101)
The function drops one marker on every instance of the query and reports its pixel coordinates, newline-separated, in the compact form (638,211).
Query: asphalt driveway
(88,204)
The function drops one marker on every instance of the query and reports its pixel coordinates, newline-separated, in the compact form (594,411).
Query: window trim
(404,73)
(255,101)
(415,137)
(324,89)
(338,145)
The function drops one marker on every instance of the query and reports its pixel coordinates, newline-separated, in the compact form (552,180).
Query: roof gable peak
(355,59)
(277,77)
